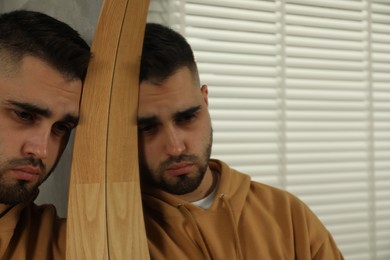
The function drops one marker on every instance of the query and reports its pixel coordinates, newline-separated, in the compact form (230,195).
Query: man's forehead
(9,64)
(41,89)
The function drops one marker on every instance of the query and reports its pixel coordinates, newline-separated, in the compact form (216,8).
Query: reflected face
(38,109)
(175,133)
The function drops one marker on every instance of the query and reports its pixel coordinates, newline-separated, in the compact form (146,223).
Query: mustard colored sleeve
(328,251)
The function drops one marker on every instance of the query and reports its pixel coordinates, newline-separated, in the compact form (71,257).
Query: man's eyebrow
(42,111)
(31,108)
(187,112)
(71,119)
(147,120)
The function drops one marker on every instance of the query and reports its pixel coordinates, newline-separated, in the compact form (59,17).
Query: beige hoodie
(31,232)
(247,220)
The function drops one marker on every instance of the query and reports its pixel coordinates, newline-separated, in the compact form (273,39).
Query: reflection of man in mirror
(43,63)
(200,208)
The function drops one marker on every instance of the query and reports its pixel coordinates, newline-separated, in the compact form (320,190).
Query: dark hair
(28,33)
(164,52)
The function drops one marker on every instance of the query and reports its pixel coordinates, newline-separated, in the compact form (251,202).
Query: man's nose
(36,145)
(174,145)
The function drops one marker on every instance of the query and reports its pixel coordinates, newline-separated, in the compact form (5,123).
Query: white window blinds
(300,99)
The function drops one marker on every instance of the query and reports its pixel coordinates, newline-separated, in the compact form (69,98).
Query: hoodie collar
(10,215)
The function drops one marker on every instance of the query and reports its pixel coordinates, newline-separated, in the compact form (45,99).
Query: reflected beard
(11,194)
(16,193)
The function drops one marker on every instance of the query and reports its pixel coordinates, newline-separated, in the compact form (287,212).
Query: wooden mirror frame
(105,219)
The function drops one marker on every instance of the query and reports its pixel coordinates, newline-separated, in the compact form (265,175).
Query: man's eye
(24,116)
(62,128)
(185,118)
(148,129)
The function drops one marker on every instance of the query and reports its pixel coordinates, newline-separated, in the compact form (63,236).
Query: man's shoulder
(38,233)
(273,193)
(45,214)
(48,225)
(255,186)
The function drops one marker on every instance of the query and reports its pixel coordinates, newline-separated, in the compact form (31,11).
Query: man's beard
(15,193)
(21,190)
(181,184)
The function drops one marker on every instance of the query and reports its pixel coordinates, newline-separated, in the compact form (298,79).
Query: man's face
(174,132)
(38,109)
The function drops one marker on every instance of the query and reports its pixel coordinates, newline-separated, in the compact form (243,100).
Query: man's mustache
(30,161)
(177,159)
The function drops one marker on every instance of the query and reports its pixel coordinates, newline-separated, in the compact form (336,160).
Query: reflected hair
(29,33)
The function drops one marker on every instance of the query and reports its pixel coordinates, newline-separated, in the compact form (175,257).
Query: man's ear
(205,92)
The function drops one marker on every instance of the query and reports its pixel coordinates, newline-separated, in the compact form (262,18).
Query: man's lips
(179,168)
(26,173)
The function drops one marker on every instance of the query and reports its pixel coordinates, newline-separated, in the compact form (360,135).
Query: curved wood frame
(105,219)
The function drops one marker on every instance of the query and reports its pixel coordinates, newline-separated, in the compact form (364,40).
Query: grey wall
(81,15)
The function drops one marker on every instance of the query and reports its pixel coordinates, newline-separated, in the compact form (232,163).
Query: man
(42,65)
(200,208)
